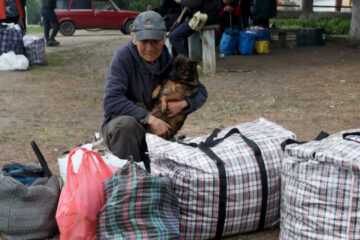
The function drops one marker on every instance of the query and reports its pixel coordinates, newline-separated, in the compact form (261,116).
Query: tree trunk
(306,8)
(354,34)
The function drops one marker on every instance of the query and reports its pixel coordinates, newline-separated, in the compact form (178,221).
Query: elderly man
(134,73)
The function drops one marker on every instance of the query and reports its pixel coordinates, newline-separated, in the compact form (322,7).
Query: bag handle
(289,141)
(345,136)
(87,153)
(41,159)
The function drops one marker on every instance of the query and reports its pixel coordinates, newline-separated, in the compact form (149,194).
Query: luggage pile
(18,52)
(245,178)
(254,39)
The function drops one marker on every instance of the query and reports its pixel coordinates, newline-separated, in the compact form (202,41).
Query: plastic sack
(262,47)
(229,41)
(246,42)
(81,197)
(110,159)
(10,61)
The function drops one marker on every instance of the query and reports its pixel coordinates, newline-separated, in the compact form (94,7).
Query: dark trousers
(178,36)
(49,17)
(125,136)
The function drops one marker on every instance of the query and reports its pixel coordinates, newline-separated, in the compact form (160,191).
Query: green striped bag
(138,206)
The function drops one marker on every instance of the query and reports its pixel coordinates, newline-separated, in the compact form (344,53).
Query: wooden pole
(338,5)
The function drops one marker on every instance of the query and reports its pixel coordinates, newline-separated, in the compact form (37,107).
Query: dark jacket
(128,83)
(170,11)
(263,9)
(51,4)
(210,7)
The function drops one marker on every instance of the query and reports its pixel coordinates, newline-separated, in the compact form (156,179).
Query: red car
(86,14)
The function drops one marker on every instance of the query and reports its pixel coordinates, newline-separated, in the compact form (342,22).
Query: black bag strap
(320,136)
(345,136)
(41,159)
(206,148)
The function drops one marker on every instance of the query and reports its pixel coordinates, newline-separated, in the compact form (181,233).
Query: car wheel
(128,26)
(67,28)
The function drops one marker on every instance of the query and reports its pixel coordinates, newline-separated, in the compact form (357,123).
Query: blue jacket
(128,83)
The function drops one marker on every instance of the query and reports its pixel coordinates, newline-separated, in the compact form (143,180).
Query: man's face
(149,50)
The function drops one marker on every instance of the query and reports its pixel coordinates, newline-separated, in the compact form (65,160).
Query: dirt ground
(304,89)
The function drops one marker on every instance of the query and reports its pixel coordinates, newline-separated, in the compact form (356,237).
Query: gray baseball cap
(149,25)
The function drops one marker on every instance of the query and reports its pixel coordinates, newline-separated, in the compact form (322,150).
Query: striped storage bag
(138,206)
(35,49)
(321,188)
(226,183)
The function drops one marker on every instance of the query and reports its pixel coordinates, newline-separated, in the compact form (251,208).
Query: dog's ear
(193,65)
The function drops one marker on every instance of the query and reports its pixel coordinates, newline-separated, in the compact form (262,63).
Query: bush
(332,26)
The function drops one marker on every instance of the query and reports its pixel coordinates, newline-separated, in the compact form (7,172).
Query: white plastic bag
(11,61)
(108,158)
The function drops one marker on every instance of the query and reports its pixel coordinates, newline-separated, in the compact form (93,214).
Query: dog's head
(184,71)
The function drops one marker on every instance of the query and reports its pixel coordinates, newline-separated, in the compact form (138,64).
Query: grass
(332,26)
(34,29)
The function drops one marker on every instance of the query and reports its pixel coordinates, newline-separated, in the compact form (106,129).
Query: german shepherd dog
(182,81)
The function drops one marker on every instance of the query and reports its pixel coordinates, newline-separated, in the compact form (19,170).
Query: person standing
(49,16)
(11,11)
(228,16)
(262,11)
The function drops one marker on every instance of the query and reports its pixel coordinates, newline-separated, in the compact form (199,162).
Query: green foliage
(332,26)
(137,5)
(33,11)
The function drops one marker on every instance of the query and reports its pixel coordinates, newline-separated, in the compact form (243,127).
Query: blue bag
(246,42)
(229,41)
(262,34)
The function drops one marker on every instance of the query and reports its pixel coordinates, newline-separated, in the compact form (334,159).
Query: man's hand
(174,108)
(228,8)
(159,127)
(178,1)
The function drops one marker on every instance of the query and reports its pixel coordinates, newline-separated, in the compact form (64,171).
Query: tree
(354,34)
(33,11)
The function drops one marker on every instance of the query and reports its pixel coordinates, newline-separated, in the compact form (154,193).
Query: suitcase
(320,185)
(310,37)
(227,182)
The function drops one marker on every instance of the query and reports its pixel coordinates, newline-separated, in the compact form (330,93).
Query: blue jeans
(49,16)
(182,32)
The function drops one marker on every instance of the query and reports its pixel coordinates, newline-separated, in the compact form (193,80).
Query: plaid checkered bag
(138,206)
(11,39)
(35,50)
(227,182)
(320,190)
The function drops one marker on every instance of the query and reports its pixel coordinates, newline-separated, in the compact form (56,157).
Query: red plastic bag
(82,196)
